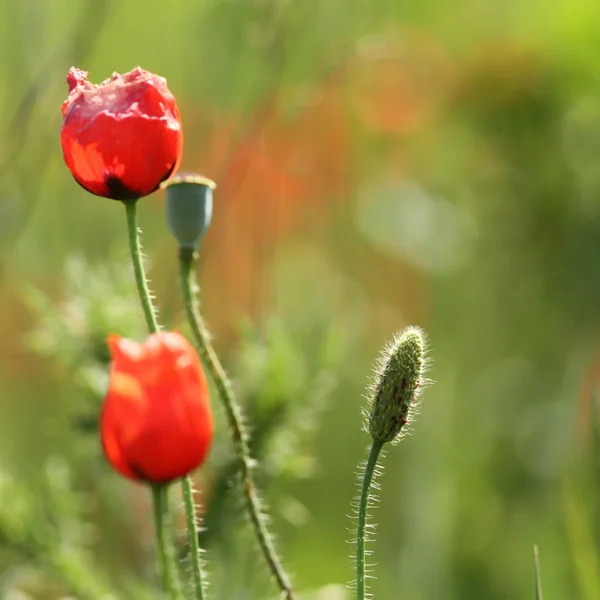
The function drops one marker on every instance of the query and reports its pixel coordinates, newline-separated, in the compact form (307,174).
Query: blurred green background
(379,164)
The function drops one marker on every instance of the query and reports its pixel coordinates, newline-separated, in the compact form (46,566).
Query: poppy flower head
(156,423)
(123,137)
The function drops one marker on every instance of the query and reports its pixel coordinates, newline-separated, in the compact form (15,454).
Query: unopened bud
(398,378)
(189,207)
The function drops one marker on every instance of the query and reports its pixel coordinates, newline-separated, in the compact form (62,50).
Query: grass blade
(538,575)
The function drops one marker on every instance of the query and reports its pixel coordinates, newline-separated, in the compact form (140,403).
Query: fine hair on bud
(399,377)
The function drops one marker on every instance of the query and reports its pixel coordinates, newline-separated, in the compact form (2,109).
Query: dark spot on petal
(117,190)
(139,472)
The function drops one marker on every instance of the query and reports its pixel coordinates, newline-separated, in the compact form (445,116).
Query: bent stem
(362,518)
(167,560)
(187,259)
(166,557)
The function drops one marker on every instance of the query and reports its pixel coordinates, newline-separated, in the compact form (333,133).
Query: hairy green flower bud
(398,378)
(189,207)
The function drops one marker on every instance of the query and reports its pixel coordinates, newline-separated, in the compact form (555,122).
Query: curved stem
(363,506)
(166,557)
(135,249)
(192,531)
(187,259)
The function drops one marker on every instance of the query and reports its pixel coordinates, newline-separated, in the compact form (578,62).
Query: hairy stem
(166,554)
(135,249)
(192,531)
(187,260)
(363,506)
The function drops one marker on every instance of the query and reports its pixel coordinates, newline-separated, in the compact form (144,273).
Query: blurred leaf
(581,544)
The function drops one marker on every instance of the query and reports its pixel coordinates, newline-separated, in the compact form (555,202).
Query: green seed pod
(398,379)
(189,207)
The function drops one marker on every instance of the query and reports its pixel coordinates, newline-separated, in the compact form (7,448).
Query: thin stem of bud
(187,259)
(361,586)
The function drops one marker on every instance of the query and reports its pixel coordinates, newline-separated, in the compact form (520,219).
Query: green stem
(135,248)
(363,506)
(192,531)
(166,557)
(187,260)
(166,554)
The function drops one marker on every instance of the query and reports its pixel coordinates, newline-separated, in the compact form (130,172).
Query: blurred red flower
(156,423)
(122,138)
(280,174)
(397,79)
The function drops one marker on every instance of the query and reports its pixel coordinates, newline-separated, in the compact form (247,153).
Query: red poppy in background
(280,170)
(122,138)
(156,423)
(397,80)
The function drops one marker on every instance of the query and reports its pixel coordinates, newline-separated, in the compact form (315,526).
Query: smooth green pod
(189,207)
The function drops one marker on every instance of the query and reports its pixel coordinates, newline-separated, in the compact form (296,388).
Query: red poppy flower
(122,138)
(156,423)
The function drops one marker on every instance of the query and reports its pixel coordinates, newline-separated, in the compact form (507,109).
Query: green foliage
(284,390)
(97,300)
